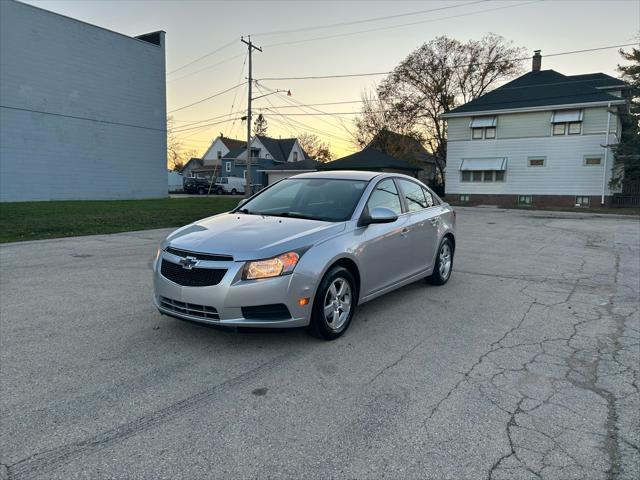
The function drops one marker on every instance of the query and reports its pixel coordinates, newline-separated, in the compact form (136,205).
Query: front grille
(196,277)
(200,311)
(200,256)
(277,311)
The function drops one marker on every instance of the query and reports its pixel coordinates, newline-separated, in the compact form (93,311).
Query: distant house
(542,139)
(372,160)
(190,166)
(219,148)
(285,170)
(266,154)
(405,147)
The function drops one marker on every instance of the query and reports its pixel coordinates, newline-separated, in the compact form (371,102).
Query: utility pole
(251,46)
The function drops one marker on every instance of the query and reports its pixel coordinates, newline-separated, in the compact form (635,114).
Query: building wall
(524,135)
(297,149)
(82,110)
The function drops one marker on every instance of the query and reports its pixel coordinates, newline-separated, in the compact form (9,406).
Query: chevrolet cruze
(306,251)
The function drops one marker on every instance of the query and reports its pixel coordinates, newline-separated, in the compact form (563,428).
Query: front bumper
(222,304)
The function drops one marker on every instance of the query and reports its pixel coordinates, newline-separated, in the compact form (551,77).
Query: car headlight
(271,267)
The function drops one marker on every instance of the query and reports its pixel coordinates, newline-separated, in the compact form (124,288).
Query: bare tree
(177,156)
(434,79)
(315,147)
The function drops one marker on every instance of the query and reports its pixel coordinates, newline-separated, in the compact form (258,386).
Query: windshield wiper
(292,215)
(245,210)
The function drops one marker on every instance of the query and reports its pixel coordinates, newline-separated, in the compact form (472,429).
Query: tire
(219,191)
(321,325)
(201,191)
(234,191)
(444,263)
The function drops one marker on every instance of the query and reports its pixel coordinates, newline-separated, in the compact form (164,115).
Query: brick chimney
(536,61)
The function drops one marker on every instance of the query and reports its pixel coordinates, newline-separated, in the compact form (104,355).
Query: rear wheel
(334,304)
(234,191)
(444,263)
(201,191)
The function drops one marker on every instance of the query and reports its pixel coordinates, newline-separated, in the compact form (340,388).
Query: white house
(266,154)
(541,139)
(82,109)
(219,148)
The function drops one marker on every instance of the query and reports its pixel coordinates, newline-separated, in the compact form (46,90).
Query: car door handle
(404,231)
(434,221)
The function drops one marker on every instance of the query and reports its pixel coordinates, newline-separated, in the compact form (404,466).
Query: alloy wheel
(337,303)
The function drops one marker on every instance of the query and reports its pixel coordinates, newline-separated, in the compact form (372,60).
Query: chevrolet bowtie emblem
(188,262)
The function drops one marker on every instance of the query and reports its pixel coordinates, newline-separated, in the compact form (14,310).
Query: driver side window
(385,195)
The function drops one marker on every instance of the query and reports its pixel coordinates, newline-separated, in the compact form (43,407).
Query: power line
(205,68)
(75,117)
(367,20)
(321,77)
(206,125)
(206,98)
(213,52)
(398,25)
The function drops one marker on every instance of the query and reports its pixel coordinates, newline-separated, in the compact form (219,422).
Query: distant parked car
(306,251)
(197,185)
(232,185)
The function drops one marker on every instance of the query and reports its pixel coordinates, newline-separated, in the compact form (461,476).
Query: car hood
(249,237)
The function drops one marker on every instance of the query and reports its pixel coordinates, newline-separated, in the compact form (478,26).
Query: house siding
(532,124)
(564,172)
(59,75)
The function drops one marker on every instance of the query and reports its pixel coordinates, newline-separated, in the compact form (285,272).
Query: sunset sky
(196,28)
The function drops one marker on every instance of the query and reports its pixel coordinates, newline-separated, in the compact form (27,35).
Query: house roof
(409,145)
(307,164)
(232,143)
(369,159)
(544,88)
(232,154)
(194,162)
(279,148)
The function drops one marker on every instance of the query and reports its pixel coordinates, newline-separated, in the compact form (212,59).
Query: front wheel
(334,304)
(201,191)
(444,263)
(234,191)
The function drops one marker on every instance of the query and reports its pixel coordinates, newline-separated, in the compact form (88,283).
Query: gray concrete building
(82,109)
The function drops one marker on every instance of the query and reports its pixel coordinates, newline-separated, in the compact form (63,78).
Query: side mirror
(380,215)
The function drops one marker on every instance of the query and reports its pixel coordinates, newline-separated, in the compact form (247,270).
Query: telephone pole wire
(248,188)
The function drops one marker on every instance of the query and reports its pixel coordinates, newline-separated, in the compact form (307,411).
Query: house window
(524,200)
(575,128)
(567,122)
(582,201)
(483,127)
(227,167)
(593,160)
(219,154)
(559,128)
(464,198)
(295,156)
(486,133)
(482,176)
(536,161)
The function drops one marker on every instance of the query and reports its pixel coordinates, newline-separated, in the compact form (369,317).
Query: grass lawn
(37,220)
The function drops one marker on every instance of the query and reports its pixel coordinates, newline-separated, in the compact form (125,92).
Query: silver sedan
(306,251)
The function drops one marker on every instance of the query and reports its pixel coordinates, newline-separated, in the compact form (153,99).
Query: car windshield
(330,200)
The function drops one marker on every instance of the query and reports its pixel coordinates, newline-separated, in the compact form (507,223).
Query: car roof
(340,175)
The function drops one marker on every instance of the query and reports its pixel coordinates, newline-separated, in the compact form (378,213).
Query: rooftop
(545,88)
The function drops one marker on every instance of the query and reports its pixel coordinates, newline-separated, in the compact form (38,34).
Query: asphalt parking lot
(525,365)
